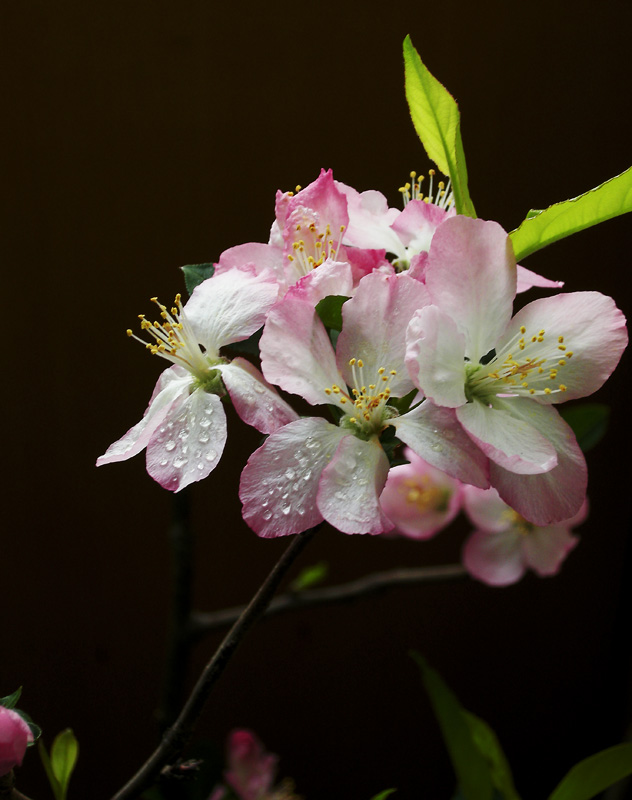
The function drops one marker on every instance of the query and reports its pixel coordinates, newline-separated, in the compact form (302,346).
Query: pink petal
(528,279)
(370,221)
(350,486)
(471,275)
(279,483)
(256,402)
(324,198)
(417,223)
(546,548)
(555,495)
(230,307)
(15,735)
(296,353)
(435,357)
(434,433)
(171,389)
(593,330)
(252,256)
(189,443)
(330,278)
(509,441)
(485,509)
(494,558)
(375,321)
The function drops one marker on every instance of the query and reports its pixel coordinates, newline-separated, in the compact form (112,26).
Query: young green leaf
(589,422)
(194,274)
(595,774)
(383,795)
(10,701)
(63,757)
(329,309)
(310,576)
(437,121)
(543,227)
(487,742)
(472,770)
(54,783)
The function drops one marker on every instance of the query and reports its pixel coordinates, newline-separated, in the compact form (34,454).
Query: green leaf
(310,576)
(329,309)
(63,757)
(487,742)
(54,783)
(11,700)
(383,795)
(595,774)
(472,770)
(589,422)
(194,274)
(543,227)
(437,121)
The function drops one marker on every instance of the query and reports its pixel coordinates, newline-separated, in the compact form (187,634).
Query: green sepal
(437,120)
(11,699)
(487,742)
(471,768)
(383,795)
(195,274)
(595,774)
(390,443)
(589,422)
(402,404)
(329,309)
(543,227)
(36,731)
(310,576)
(250,346)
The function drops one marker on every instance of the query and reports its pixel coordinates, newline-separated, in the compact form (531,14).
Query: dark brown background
(145,135)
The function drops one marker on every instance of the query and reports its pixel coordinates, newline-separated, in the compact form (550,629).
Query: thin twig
(205,622)
(177,735)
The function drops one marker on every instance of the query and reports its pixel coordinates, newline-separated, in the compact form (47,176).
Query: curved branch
(203,623)
(177,735)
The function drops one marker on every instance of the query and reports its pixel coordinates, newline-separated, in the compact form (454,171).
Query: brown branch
(177,735)
(205,622)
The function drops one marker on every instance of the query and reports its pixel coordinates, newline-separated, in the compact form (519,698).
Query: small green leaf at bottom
(595,774)
(383,795)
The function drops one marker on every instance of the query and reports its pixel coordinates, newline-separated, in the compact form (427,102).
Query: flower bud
(15,734)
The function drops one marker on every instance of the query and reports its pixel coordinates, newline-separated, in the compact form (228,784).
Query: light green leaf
(194,274)
(437,121)
(10,701)
(543,227)
(310,576)
(589,422)
(54,783)
(487,742)
(595,774)
(63,757)
(472,770)
(383,795)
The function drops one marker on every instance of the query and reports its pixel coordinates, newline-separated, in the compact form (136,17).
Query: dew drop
(437,447)
(286,509)
(205,422)
(449,434)
(259,387)
(290,474)
(170,445)
(201,466)
(204,437)
(164,462)
(179,462)
(267,515)
(211,455)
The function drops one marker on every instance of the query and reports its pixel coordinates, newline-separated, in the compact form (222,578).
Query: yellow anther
(413,174)
(562,387)
(531,391)
(547,390)
(327,391)
(525,384)
(540,371)
(540,338)
(541,333)
(361,364)
(560,339)
(384,378)
(154,299)
(393,372)
(561,347)
(353,419)
(523,329)
(129,332)
(561,363)
(431,172)
(569,354)
(298,188)
(534,338)
(381,371)
(352,361)
(343,228)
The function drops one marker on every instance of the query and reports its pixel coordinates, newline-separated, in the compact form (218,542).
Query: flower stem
(177,735)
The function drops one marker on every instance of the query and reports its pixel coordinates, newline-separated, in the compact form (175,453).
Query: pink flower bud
(15,734)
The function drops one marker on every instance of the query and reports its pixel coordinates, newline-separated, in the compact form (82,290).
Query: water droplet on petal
(267,515)
(290,474)
(204,437)
(437,447)
(170,445)
(259,387)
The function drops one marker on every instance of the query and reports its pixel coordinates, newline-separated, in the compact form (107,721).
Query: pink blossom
(500,375)
(15,735)
(184,426)
(419,499)
(311,469)
(504,544)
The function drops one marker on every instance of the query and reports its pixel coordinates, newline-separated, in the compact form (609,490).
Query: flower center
(175,340)
(527,365)
(312,246)
(517,522)
(443,197)
(424,494)
(365,404)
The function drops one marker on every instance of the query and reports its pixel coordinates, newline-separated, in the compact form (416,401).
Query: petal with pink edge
(254,255)
(553,496)
(509,441)
(323,197)
(374,327)
(189,443)
(471,275)
(587,325)
(435,357)
(296,353)
(171,390)
(350,487)
(417,223)
(485,509)
(230,307)
(528,279)
(546,548)
(256,402)
(279,483)
(435,434)
(331,278)
(494,558)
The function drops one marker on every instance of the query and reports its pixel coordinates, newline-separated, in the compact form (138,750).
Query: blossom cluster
(397,326)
